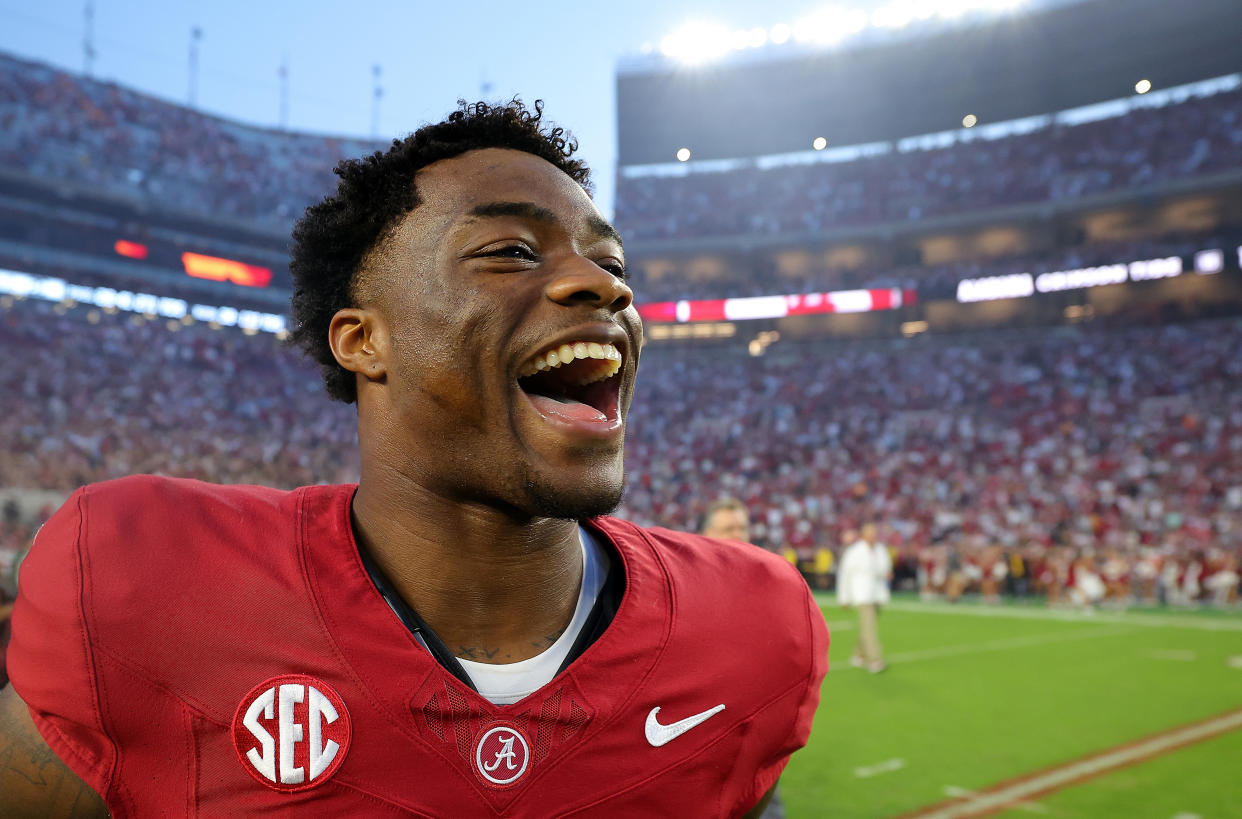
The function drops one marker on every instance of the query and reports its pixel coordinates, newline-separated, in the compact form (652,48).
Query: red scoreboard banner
(225,270)
(771,307)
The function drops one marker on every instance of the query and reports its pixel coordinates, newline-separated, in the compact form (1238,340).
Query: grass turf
(973,698)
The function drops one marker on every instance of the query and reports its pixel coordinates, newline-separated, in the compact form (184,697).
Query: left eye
(515,252)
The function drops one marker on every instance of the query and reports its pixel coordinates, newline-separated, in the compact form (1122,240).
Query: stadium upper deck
(1034,60)
(1186,138)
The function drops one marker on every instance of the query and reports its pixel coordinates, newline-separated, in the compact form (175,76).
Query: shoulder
(742,629)
(154,496)
(725,586)
(731,563)
(150,513)
(120,545)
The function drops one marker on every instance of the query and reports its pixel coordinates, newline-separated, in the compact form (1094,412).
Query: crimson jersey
(199,650)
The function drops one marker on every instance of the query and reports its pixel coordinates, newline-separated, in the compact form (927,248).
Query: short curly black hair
(333,238)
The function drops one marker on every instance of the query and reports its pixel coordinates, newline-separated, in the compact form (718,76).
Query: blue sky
(430,54)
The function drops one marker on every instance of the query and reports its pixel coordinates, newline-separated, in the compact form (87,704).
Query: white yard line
(887,766)
(956,793)
(994,645)
(1005,796)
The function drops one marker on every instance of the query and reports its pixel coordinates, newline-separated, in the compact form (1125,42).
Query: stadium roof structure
(1048,58)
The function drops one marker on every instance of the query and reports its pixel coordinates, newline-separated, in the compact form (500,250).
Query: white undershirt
(506,683)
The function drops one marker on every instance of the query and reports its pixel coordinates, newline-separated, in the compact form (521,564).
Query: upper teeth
(566,353)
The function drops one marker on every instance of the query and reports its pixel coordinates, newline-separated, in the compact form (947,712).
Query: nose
(584,282)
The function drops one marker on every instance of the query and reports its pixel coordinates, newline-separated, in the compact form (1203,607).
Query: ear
(359,341)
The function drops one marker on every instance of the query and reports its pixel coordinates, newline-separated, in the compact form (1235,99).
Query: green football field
(1111,714)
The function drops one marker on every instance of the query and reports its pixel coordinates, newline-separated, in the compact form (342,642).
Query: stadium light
(829,26)
(970,121)
(697,43)
(819,143)
(1142,86)
(683,154)
(951,9)
(901,14)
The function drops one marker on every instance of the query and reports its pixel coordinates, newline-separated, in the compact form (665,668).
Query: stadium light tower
(283,73)
(196,36)
(88,39)
(377,93)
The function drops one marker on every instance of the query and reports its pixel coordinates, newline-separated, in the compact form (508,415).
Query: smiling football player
(462,633)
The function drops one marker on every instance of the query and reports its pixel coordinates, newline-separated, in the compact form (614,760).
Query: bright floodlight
(756,37)
(780,33)
(900,14)
(949,9)
(683,154)
(1142,86)
(970,121)
(697,43)
(819,143)
(830,25)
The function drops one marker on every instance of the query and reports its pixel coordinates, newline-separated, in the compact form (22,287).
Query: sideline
(1224,623)
(1029,787)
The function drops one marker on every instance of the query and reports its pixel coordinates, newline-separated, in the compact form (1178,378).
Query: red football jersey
(199,650)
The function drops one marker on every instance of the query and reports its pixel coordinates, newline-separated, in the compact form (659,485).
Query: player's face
(514,339)
(730,524)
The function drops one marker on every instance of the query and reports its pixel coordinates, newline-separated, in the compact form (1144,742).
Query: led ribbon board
(773,307)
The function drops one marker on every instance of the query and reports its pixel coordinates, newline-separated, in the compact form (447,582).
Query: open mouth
(576,383)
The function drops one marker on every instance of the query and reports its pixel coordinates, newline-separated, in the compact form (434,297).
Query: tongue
(567,408)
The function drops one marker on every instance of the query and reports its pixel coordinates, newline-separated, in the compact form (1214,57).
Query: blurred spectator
(727,519)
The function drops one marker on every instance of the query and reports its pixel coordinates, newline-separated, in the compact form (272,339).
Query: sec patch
(292,732)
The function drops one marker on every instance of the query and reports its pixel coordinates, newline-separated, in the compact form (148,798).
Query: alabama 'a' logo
(501,755)
(292,732)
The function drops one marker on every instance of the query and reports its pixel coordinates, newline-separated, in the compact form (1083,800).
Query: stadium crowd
(1031,462)
(1145,147)
(55,125)
(1121,448)
(58,126)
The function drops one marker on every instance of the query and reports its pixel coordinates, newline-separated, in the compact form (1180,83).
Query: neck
(493,587)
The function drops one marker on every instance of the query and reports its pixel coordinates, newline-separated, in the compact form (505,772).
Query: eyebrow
(536,213)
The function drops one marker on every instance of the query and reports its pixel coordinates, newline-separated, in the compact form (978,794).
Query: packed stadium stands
(58,126)
(1120,444)
(1055,164)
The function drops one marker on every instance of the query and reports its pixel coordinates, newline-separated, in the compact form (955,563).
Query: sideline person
(862,582)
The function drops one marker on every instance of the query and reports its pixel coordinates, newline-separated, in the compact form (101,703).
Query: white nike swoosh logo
(658,734)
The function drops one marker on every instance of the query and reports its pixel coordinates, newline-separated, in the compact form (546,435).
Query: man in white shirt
(862,582)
